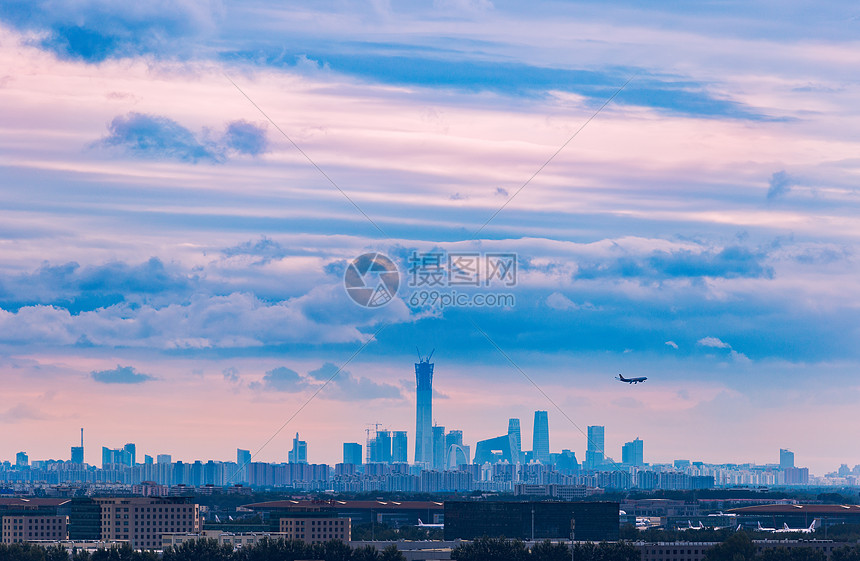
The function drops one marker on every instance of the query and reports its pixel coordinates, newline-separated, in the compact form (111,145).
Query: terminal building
(796,515)
(594,521)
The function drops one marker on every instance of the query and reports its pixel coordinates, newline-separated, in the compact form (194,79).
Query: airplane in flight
(621,378)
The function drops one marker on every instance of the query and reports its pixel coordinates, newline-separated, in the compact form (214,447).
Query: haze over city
(172,267)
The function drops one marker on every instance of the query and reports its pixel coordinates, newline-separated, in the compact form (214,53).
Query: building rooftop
(797,508)
(335,504)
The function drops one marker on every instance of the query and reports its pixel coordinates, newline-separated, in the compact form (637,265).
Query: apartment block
(316,529)
(143,520)
(26,528)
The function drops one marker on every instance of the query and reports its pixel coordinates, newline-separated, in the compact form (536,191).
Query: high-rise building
(786,458)
(594,451)
(22,460)
(107,457)
(132,454)
(299,453)
(78,451)
(424,412)
(632,453)
(352,453)
(166,459)
(147,459)
(540,437)
(439,448)
(399,447)
(516,438)
(383,447)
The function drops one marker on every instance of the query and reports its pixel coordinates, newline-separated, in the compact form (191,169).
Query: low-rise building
(27,528)
(316,529)
(142,520)
(237,540)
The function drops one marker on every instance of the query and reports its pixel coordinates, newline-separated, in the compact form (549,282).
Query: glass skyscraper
(594,452)
(540,437)
(424,412)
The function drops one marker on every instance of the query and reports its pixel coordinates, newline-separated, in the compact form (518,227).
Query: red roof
(359,505)
(26,502)
(798,509)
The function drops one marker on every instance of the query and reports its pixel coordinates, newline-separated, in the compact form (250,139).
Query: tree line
(499,549)
(209,550)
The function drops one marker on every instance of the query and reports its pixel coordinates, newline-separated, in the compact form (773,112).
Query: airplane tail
(785,526)
(620,378)
(815,524)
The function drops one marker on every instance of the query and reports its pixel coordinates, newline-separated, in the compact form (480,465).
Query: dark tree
(391,553)
(739,547)
(548,551)
(490,549)
(199,550)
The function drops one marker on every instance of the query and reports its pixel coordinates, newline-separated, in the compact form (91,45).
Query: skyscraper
(540,437)
(383,446)
(439,448)
(399,447)
(516,439)
(786,458)
(594,451)
(352,453)
(77,454)
(132,454)
(22,460)
(243,458)
(632,453)
(424,412)
(78,451)
(299,453)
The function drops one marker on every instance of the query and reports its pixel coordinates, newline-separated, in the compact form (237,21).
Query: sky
(184,185)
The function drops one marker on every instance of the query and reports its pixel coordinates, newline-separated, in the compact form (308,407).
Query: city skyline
(664,190)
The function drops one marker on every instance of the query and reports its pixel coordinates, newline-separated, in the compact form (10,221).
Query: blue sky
(164,243)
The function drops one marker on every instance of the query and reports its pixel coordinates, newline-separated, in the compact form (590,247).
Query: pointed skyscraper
(540,437)
(424,412)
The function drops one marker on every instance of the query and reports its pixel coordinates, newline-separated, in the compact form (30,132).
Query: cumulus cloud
(246,138)
(281,379)
(779,185)
(153,136)
(158,137)
(120,375)
(713,342)
(77,288)
(728,262)
(347,387)
(94,30)
(231,374)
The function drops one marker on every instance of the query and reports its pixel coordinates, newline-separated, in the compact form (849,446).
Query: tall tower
(424,412)
(540,438)
(516,440)
(594,453)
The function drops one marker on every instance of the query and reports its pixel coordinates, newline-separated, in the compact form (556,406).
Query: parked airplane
(691,527)
(621,378)
(786,530)
(760,529)
(423,525)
